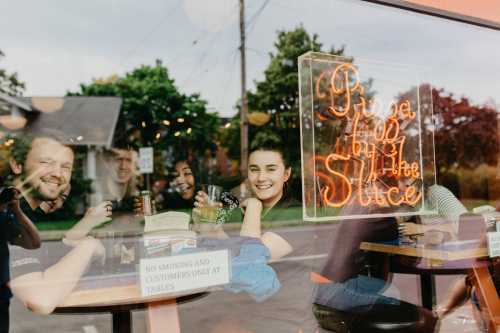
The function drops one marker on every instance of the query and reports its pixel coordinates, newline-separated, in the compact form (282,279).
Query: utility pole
(244,104)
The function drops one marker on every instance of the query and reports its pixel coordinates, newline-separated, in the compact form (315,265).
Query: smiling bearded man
(42,171)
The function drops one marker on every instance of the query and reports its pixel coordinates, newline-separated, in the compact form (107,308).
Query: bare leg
(457,295)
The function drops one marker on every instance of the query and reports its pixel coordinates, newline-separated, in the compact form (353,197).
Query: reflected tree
(155,113)
(9,82)
(274,105)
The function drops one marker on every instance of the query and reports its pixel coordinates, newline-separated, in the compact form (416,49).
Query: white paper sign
(184,272)
(146,160)
(167,221)
(493,244)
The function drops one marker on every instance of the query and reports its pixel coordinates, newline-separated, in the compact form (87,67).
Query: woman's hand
(200,199)
(410,228)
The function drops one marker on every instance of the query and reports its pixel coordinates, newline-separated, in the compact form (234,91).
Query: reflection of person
(353,297)
(15,229)
(43,174)
(118,178)
(183,186)
(268,174)
(42,171)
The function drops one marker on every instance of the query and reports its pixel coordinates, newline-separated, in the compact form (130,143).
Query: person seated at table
(117,178)
(446,224)
(351,297)
(268,173)
(182,188)
(43,175)
(462,290)
(15,229)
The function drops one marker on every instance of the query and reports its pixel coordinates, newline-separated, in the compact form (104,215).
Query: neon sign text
(368,161)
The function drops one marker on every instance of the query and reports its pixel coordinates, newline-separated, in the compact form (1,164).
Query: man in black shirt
(15,229)
(42,169)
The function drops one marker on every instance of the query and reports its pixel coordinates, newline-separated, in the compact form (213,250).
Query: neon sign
(355,150)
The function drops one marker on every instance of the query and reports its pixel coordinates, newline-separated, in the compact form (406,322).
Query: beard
(37,191)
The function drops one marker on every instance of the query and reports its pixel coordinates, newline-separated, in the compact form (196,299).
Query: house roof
(81,120)
(15,101)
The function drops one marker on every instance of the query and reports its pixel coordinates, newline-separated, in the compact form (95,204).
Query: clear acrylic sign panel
(366,136)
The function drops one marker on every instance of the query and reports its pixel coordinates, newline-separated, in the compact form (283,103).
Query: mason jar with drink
(209,211)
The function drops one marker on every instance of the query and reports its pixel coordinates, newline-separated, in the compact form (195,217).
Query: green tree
(278,95)
(155,113)
(9,82)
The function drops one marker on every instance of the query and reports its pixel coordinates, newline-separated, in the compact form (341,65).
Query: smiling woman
(268,174)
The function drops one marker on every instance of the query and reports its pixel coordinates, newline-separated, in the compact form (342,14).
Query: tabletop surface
(127,292)
(458,251)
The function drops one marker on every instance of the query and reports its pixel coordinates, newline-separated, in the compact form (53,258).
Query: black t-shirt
(173,201)
(35,215)
(346,260)
(25,261)
(9,230)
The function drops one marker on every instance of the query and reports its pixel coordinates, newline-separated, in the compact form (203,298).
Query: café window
(248,166)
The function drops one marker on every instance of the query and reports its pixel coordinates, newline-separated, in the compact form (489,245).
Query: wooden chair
(487,296)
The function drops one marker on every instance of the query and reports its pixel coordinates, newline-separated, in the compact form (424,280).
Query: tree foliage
(9,82)
(278,95)
(155,113)
(466,135)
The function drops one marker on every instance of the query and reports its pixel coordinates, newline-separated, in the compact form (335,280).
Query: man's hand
(13,204)
(99,214)
(139,209)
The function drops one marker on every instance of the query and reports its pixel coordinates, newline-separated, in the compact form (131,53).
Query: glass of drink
(209,211)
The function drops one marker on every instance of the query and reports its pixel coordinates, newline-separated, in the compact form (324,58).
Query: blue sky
(56,45)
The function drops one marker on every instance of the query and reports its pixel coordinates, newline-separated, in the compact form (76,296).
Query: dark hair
(20,148)
(270,142)
(173,171)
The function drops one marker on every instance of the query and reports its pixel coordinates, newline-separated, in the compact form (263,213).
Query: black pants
(4,316)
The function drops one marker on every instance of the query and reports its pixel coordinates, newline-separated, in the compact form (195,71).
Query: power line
(204,54)
(230,73)
(151,32)
(252,21)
